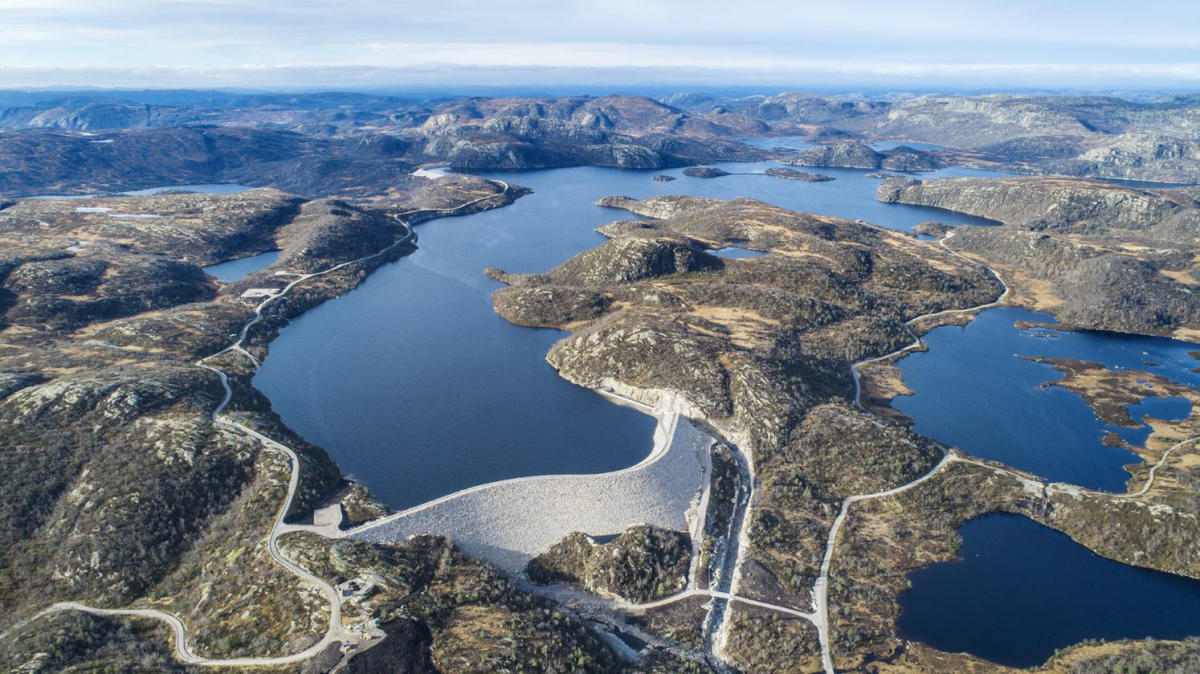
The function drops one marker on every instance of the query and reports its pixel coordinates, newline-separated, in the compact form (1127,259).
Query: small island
(803,176)
(704,172)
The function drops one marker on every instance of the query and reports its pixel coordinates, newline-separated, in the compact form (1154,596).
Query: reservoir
(236,270)
(1012,418)
(1021,591)
(416,387)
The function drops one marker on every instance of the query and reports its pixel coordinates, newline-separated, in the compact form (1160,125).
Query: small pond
(236,270)
(734,252)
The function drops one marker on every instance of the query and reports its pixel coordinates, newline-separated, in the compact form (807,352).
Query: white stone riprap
(508,523)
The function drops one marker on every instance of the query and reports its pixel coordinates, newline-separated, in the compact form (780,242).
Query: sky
(366,44)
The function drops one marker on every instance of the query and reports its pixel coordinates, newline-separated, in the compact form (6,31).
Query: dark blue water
(974,391)
(733,253)
(1022,591)
(851,195)
(418,389)
(236,270)
(1169,409)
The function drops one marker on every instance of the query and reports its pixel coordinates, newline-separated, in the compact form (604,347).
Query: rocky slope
(1092,136)
(1061,205)
(759,348)
(641,564)
(1099,255)
(861,156)
(317,147)
(39,161)
(630,132)
(122,491)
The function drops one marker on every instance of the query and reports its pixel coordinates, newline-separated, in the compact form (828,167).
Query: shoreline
(508,522)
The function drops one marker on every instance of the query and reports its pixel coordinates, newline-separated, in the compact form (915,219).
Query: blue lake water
(974,391)
(733,253)
(418,389)
(851,195)
(1022,591)
(236,270)
(1170,409)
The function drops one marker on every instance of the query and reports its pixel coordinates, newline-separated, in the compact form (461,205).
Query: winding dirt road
(335,632)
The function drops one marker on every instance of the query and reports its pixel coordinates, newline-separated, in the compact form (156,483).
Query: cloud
(163,41)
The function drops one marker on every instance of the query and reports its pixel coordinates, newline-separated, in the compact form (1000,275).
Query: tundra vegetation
(122,491)
(762,349)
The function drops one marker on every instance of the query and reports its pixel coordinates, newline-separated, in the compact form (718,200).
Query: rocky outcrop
(752,343)
(1120,293)
(37,161)
(330,229)
(642,564)
(1091,287)
(635,258)
(1040,203)
(119,256)
(405,650)
(842,155)
(71,292)
(1093,252)
(1136,157)
(704,172)
(802,176)
(860,155)
(665,206)
(551,306)
(934,229)
(1035,253)
(904,158)
(623,131)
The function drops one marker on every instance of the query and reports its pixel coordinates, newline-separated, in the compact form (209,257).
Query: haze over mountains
(364,141)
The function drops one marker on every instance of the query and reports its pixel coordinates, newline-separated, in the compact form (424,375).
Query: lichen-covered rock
(327,230)
(549,306)
(68,293)
(904,158)
(1090,286)
(1039,203)
(1117,292)
(1135,156)
(704,172)
(935,229)
(641,564)
(843,155)
(635,259)
(802,176)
